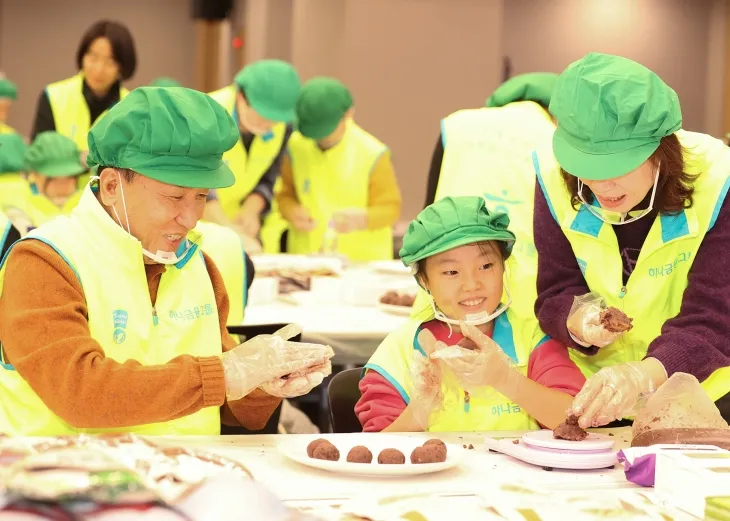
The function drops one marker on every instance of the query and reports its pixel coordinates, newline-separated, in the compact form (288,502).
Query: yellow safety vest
(654,291)
(336,179)
(224,246)
(184,319)
(486,409)
(70,111)
(28,208)
(7,129)
(249,167)
(5,227)
(488,152)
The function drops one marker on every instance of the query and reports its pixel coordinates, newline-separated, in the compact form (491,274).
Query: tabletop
(296,483)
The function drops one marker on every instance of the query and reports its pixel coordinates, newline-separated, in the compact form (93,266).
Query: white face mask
(161,257)
(617,218)
(476,319)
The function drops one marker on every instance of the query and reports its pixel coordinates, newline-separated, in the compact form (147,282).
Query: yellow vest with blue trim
(654,291)
(70,112)
(337,179)
(488,152)
(184,319)
(486,409)
(248,167)
(29,208)
(224,247)
(5,227)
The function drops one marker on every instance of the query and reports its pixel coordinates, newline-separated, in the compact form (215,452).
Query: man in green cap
(632,234)
(8,94)
(261,100)
(488,152)
(339,190)
(114,318)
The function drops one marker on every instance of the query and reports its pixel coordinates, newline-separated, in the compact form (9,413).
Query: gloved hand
(302,220)
(426,396)
(584,321)
(300,383)
(613,392)
(269,357)
(485,364)
(350,220)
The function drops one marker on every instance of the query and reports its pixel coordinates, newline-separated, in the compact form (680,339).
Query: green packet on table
(75,474)
(717,508)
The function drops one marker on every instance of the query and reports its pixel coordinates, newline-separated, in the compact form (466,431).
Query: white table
(293,482)
(353,331)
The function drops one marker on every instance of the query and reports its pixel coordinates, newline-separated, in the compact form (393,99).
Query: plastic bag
(680,403)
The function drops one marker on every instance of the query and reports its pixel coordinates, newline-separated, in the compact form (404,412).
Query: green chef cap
(12,150)
(533,86)
(165,82)
(452,222)
(175,135)
(53,155)
(8,89)
(611,112)
(271,88)
(321,106)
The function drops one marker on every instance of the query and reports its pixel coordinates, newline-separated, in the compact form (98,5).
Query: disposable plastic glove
(269,357)
(484,364)
(614,392)
(426,395)
(584,321)
(350,220)
(294,386)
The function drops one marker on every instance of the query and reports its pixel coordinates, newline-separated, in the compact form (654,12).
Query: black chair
(246,333)
(343,393)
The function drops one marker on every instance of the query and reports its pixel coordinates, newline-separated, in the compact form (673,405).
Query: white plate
(556,459)
(544,439)
(393,267)
(403,311)
(296,449)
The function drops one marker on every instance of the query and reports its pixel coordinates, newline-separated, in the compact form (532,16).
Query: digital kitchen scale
(541,449)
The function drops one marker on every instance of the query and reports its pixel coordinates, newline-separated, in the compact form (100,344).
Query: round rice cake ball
(391,457)
(360,454)
(313,445)
(326,451)
(428,454)
(436,442)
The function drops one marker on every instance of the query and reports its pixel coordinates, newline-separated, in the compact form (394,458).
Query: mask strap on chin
(124,205)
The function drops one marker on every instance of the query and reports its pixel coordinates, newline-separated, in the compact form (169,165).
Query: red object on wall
(237,42)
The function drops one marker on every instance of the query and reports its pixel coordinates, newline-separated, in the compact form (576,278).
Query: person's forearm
(214,213)
(406,422)
(547,406)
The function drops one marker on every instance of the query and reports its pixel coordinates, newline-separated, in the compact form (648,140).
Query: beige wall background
(408,62)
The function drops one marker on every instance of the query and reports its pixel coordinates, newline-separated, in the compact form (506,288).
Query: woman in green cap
(114,317)
(8,94)
(500,372)
(632,237)
(261,100)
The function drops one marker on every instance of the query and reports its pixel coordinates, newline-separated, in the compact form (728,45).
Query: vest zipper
(155,320)
(467,400)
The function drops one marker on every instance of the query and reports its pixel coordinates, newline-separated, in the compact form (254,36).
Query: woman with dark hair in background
(105,58)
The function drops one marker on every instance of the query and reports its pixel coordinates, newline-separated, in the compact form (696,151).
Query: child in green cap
(468,362)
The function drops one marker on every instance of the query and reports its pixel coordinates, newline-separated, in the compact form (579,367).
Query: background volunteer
(105,58)
(126,351)
(508,135)
(337,177)
(12,159)
(8,94)
(458,248)
(638,216)
(261,100)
